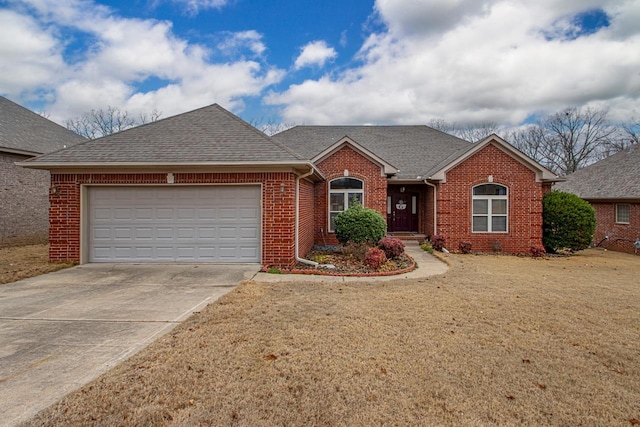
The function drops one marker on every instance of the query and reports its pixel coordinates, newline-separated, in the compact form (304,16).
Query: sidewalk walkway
(426,265)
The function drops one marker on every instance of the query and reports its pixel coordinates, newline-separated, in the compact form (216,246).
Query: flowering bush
(392,247)
(537,251)
(375,258)
(465,247)
(437,241)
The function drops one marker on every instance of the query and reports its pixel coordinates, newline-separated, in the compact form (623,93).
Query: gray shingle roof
(207,135)
(615,177)
(415,150)
(25,131)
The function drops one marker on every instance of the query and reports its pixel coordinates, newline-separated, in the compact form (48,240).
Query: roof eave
(18,151)
(68,166)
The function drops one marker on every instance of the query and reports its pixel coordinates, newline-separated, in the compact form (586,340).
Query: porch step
(416,237)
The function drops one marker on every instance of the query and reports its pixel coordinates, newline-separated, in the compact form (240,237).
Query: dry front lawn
(498,340)
(22,262)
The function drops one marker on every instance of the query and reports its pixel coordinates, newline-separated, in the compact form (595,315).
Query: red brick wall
(427,205)
(375,188)
(306,217)
(525,203)
(621,236)
(278,208)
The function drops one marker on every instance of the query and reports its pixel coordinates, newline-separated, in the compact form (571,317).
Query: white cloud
(234,42)
(122,54)
(315,53)
(485,61)
(30,54)
(195,6)
(426,16)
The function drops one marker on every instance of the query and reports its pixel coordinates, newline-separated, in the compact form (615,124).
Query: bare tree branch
(98,123)
(472,132)
(270,127)
(568,140)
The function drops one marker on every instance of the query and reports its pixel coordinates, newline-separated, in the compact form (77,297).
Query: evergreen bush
(360,225)
(567,222)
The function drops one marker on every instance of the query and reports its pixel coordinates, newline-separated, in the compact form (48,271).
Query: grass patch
(22,262)
(497,340)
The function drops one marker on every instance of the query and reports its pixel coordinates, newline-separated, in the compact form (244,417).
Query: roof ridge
(259,132)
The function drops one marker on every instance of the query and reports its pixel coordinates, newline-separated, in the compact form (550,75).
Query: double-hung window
(344,193)
(622,214)
(490,208)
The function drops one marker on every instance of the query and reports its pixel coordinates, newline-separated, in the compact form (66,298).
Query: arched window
(490,208)
(344,193)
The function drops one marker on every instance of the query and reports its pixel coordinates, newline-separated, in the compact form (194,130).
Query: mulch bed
(348,264)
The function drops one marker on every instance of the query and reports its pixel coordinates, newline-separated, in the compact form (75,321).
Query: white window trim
(489,215)
(346,200)
(628,213)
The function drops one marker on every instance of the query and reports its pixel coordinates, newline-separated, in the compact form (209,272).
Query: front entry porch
(413,237)
(407,211)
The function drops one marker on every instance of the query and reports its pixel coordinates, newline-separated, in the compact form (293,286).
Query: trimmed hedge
(567,222)
(359,225)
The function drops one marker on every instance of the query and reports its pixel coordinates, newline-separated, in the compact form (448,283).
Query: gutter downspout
(297,225)
(435,206)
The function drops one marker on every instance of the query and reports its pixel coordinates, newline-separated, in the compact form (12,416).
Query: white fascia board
(69,166)
(542,173)
(387,168)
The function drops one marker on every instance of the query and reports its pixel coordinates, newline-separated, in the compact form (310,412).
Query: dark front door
(402,210)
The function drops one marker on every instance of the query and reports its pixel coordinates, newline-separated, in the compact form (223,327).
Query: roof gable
(24,132)
(414,150)
(615,177)
(542,174)
(209,135)
(386,167)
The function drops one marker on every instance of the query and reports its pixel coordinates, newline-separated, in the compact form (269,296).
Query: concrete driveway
(60,330)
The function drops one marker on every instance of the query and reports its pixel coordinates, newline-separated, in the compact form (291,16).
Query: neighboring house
(206,186)
(612,187)
(24,193)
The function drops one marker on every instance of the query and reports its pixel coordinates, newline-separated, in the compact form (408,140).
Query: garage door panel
(164,213)
(169,224)
(249,233)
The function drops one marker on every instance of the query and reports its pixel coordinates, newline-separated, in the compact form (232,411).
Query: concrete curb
(426,265)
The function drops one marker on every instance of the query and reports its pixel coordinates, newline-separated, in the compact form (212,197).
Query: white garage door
(174,224)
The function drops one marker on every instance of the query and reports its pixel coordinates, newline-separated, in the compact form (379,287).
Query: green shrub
(426,246)
(359,225)
(392,247)
(567,222)
(375,258)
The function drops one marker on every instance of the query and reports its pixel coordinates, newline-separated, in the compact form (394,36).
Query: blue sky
(324,62)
